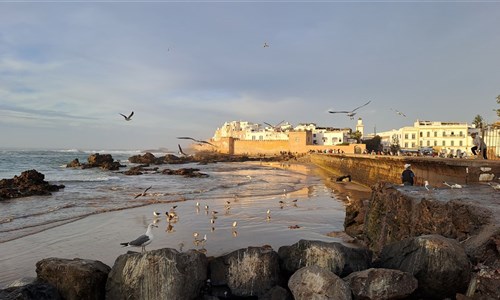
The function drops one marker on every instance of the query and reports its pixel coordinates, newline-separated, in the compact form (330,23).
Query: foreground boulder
(439,264)
(314,282)
(31,291)
(29,183)
(335,257)
(247,272)
(157,274)
(381,284)
(74,278)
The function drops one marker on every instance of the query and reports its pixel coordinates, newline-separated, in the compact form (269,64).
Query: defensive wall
(298,142)
(370,169)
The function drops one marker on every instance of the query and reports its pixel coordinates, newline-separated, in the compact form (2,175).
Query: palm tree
(478,121)
(498,110)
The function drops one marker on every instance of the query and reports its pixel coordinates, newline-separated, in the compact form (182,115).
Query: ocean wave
(85,178)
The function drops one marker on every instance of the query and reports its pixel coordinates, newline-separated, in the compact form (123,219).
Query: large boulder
(31,291)
(103,161)
(157,274)
(439,264)
(74,278)
(29,183)
(252,271)
(381,284)
(314,282)
(146,158)
(335,257)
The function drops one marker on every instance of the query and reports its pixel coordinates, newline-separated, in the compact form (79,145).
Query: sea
(302,207)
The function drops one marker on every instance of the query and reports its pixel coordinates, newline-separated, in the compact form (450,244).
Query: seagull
(275,127)
(453,186)
(495,186)
(351,113)
(143,193)
(426,185)
(156,214)
(143,240)
(266,45)
(129,118)
(235,224)
(198,141)
(180,151)
(398,112)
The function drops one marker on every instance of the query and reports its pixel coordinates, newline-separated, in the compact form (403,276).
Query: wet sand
(317,212)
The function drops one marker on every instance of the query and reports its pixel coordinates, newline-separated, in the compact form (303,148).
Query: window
(406,136)
(435,134)
(421,134)
(314,134)
(444,133)
(428,134)
(452,133)
(428,143)
(406,145)
(461,143)
(444,143)
(421,143)
(435,143)
(452,143)
(461,133)
(413,145)
(412,136)
(253,137)
(261,138)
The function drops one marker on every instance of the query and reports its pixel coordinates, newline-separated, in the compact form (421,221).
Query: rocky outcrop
(103,161)
(314,282)
(186,172)
(439,264)
(29,183)
(157,274)
(76,279)
(253,271)
(381,284)
(335,257)
(31,291)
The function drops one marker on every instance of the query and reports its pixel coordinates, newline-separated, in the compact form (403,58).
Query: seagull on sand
(495,186)
(143,240)
(129,118)
(198,141)
(426,185)
(143,193)
(351,113)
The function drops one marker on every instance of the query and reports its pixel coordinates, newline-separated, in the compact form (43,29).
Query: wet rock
(334,257)
(485,284)
(157,274)
(314,282)
(75,163)
(29,183)
(31,291)
(103,161)
(74,278)
(252,271)
(186,172)
(147,158)
(277,293)
(439,264)
(381,284)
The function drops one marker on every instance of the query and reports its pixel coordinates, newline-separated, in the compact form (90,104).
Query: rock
(76,279)
(485,284)
(22,281)
(75,163)
(334,257)
(381,284)
(157,274)
(103,161)
(186,172)
(147,158)
(252,271)
(29,183)
(314,282)
(439,264)
(277,293)
(31,291)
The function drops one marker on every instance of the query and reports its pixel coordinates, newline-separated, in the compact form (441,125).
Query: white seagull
(143,240)
(426,185)
(398,112)
(129,118)
(351,113)
(453,186)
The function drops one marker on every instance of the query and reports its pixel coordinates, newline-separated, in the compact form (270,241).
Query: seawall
(370,169)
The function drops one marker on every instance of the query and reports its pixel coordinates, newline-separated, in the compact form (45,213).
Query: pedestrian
(479,145)
(408,177)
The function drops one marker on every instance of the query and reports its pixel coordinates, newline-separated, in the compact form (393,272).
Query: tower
(360,127)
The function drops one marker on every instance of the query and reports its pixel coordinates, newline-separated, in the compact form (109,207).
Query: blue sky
(67,69)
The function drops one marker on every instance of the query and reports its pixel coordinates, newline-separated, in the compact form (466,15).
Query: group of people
(408,177)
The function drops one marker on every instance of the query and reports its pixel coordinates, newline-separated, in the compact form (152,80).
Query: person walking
(479,145)
(408,177)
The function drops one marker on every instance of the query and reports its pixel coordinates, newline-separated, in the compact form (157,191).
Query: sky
(68,69)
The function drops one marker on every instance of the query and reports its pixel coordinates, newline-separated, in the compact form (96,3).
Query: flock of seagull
(172,217)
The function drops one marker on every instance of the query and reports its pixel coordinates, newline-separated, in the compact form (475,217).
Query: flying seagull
(275,127)
(143,240)
(129,117)
(351,113)
(266,45)
(398,112)
(198,141)
(143,193)
(180,151)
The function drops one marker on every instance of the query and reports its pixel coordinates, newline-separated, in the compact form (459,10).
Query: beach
(316,212)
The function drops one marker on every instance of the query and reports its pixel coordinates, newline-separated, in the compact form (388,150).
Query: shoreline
(97,236)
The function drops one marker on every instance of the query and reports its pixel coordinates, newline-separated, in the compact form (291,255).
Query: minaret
(360,127)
